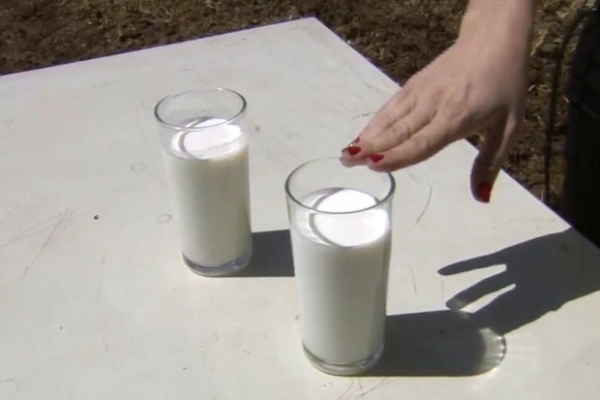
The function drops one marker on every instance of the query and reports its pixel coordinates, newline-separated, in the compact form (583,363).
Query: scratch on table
(426,204)
(347,390)
(104,340)
(378,385)
(62,218)
(101,277)
(380,90)
(363,115)
(411,175)
(362,392)
(193,69)
(212,390)
(360,98)
(414,281)
(30,230)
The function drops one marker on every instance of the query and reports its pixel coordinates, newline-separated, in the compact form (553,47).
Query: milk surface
(209,184)
(341,267)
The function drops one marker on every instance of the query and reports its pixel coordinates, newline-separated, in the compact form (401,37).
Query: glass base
(229,268)
(350,369)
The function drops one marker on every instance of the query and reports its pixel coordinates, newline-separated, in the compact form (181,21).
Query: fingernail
(484,192)
(376,157)
(352,150)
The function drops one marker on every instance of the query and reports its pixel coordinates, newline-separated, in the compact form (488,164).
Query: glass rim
(388,195)
(230,120)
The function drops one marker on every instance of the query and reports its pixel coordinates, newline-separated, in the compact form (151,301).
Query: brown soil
(399,36)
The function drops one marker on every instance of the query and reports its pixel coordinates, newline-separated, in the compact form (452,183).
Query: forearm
(505,22)
(510,18)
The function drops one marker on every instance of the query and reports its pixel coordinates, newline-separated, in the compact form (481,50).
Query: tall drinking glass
(340,224)
(205,150)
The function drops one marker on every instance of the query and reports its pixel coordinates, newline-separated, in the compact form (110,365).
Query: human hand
(479,85)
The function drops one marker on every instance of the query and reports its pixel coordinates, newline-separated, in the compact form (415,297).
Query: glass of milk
(205,148)
(340,224)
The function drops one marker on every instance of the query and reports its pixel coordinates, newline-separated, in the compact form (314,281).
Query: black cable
(582,13)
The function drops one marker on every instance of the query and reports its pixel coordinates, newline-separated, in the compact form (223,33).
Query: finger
(493,150)
(348,161)
(398,106)
(399,132)
(480,289)
(350,155)
(421,146)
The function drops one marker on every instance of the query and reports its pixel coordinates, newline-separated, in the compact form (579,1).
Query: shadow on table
(272,255)
(545,273)
(440,343)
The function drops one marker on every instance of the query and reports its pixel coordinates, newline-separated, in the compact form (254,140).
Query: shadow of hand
(546,272)
(438,343)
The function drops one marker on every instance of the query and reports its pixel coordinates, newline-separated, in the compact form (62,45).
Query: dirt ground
(398,36)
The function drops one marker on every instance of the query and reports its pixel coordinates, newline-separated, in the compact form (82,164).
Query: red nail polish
(376,157)
(352,150)
(484,192)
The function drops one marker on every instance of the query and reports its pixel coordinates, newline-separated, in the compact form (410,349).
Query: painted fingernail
(352,150)
(484,192)
(376,157)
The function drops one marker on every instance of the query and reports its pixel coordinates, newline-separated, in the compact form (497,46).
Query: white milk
(341,267)
(209,183)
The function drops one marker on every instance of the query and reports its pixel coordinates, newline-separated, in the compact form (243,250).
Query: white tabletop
(96,303)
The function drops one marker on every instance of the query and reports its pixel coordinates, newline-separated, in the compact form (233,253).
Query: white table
(95,302)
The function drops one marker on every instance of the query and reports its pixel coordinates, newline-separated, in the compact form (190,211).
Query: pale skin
(478,85)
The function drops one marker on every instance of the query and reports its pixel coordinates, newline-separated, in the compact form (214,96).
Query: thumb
(493,150)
